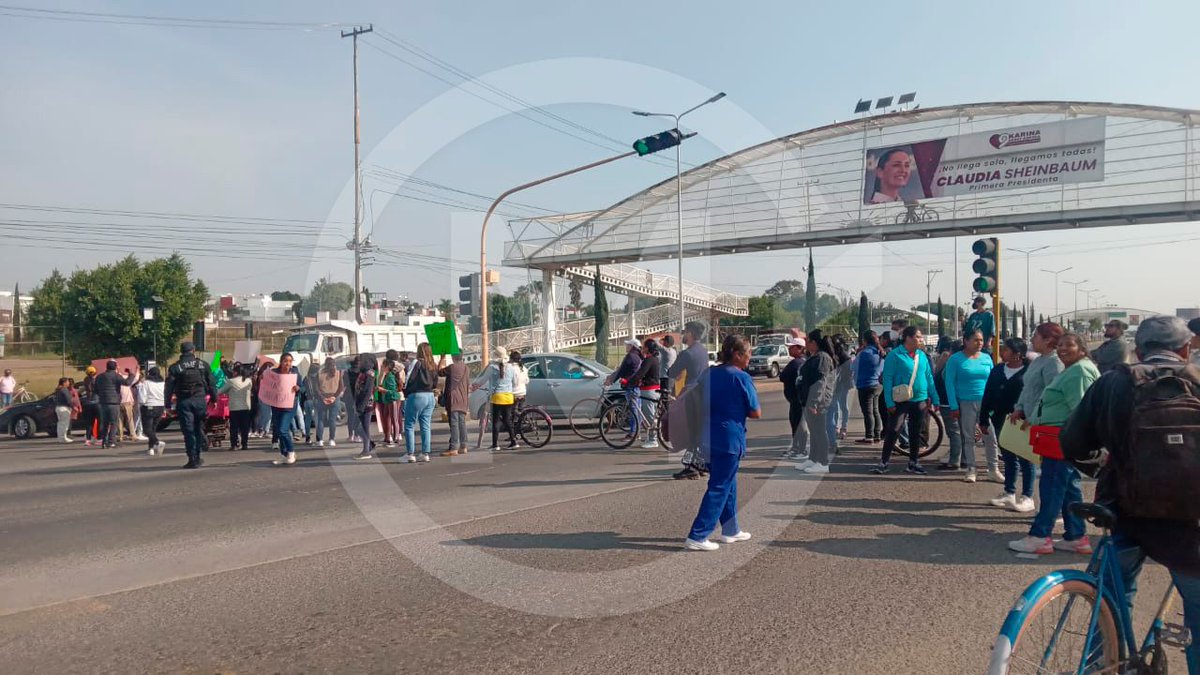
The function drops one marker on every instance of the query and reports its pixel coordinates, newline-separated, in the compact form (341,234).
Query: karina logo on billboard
(1007,140)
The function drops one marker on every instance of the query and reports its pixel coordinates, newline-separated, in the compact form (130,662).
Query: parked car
(768,360)
(23,420)
(557,381)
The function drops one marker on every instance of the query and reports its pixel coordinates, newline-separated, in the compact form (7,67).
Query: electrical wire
(168,21)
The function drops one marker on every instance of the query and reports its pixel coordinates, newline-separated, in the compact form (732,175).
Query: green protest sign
(442,338)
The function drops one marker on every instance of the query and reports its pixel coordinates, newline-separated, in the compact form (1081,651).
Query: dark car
(23,420)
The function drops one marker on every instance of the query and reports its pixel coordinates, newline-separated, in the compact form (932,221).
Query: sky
(243,135)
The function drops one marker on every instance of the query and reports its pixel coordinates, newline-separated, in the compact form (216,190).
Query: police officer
(189,381)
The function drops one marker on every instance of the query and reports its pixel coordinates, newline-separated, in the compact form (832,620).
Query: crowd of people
(1131,420)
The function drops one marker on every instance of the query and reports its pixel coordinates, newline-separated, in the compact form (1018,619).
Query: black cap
(187,348)
(1194,326)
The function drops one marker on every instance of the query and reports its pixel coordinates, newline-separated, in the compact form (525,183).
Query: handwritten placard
(245,351)
(275,389)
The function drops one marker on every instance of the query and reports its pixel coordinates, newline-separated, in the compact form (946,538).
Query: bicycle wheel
(534,427)
(937,433)
(25,396)
(664,428)
(585,418)
(618,427)
(1050,636)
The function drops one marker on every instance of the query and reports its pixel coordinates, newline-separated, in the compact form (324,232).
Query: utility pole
(358,313)
(1075,292)
(929,275)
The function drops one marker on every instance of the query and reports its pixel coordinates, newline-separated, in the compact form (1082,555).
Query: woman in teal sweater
(1059,485)
(966,376)
(904,364)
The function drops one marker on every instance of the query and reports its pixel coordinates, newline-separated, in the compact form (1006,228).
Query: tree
(46,311)
(328,296)
(101,309)
(864,315)
(784,289)
(601,311)
(575,288)
(16,316)
(500,312)
(447,308)
(285,295)
(941,315)
(810,296)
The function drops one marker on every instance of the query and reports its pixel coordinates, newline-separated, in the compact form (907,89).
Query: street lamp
(679,192)
(1056,273)
(1027,253)
(1075,288)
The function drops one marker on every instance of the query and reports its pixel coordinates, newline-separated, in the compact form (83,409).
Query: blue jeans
(1131,558)
(720,499)
(263,423)
(1059,487)
(1011,464)
(281,420)
(5,400)
(831,426)
(418,407)
(326,419)
(192,412)
(840,410)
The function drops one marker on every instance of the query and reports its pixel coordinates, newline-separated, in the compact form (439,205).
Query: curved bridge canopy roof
(813,188)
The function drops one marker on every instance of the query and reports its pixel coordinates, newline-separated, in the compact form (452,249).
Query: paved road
(564,560)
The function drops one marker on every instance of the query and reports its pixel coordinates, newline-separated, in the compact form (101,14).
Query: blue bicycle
(1072,621)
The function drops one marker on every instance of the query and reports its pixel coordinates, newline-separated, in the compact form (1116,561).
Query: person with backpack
(1059,485)
(1147,417)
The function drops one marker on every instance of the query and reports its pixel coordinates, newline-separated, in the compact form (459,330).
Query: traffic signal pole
(483,299)
(996,310)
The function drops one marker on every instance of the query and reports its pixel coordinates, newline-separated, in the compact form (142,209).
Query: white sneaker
(1035,545)
(290,459)
(693,545)
(140,437)
(995,476)
(740,536)
(1023,505)
(275,445)
(649,445)
(425,457)
(410,459)
(1005,501)
(150,452)
(320,444)
(68,439)
(817,468)
(495,448)
(332,444)
(969,477)
(803,466)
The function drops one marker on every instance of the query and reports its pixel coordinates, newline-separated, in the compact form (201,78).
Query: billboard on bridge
(1039,155)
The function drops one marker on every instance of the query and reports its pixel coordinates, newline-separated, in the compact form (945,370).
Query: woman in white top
(499,379)
(150,394)
(520,380)
(240,389)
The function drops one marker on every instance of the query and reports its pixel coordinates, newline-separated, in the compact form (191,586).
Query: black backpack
(1161,475)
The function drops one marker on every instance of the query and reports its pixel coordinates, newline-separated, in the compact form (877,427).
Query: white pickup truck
(312,344)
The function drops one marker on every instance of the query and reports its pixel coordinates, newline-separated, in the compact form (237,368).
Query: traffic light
(987,266)
(469,294)
(652,144)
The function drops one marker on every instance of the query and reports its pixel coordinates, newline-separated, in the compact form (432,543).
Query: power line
(155,20)
(516,111)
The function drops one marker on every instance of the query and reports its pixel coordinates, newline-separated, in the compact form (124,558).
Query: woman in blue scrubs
(731,398)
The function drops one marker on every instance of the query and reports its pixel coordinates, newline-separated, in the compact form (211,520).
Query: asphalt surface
(562,560)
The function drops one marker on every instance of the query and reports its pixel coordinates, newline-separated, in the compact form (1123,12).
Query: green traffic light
(642,147)
(985,285)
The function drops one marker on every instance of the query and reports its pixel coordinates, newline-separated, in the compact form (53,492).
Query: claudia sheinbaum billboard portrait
(1056,153)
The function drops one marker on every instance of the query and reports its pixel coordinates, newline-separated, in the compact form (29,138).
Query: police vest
(191,380)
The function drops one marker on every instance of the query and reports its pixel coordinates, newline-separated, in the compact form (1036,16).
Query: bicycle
(623,421)
(531,424)
(1043,632)
(22,394)
(916,213)
(935,422)
(586,414)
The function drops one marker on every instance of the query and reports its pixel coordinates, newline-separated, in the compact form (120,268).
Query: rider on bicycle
(642,390)
(1160,440)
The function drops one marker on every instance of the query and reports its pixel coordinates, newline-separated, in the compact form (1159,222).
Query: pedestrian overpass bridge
(977,169)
